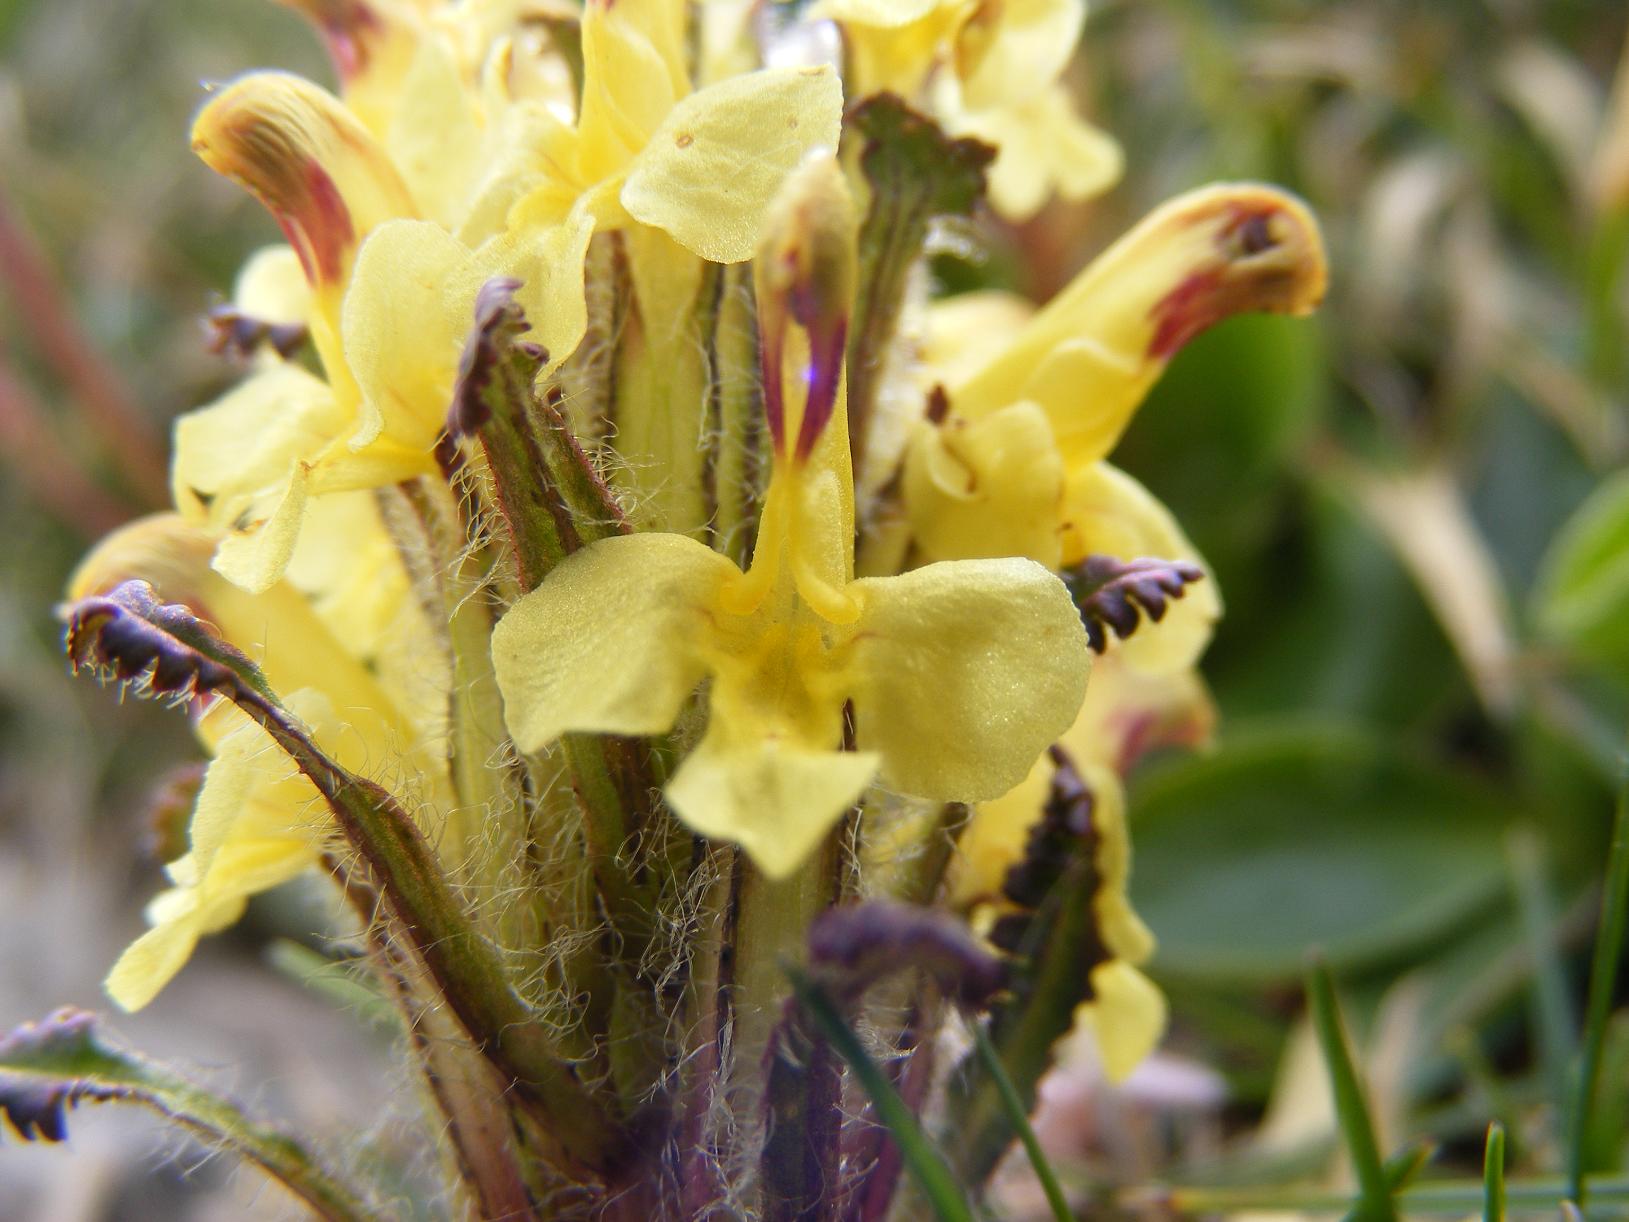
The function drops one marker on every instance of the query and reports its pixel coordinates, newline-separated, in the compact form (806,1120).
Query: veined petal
(986,487)
(963,672)
(316,169)
(1090,355)
(1127,1015)
(1107,512)
(608,643)
(711,169)
(776,799)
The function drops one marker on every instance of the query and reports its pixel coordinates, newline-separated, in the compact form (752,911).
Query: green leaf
(1351,1107)
(1603,978)
(1289,839)
(1582,599)
(50,1066)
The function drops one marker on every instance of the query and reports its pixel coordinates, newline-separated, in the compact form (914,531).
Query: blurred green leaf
(1312,836)
(1582,600)
(1330,577)
(1374,1203)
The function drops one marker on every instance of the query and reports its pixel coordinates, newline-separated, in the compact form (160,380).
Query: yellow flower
(701,166)
(990,69)
(1016,466)
(391,299)
(258,822)
(1127,712)
(957,674)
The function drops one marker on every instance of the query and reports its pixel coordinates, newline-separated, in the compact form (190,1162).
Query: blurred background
(1415,506)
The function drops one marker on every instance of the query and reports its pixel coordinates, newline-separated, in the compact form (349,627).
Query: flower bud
(805,273)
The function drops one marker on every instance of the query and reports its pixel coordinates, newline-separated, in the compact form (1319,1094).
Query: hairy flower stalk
(617,563)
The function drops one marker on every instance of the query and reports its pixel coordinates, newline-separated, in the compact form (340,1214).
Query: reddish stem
(109,409)
(44,464)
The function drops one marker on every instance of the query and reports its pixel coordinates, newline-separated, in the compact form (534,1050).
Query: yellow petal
(241,464)
(885,14)
(968,330)
(711,169)
(633,73)
(986,487)
(1130,712)
(409,308)
(1043,148)
(434,136)
(1127,1015)
(278,629)
(371,43)
(963,672)
(297,149)
(151,962)
(1006,52)
(607,643)
(253,791)
(893,46)
(258,550)
(996,832)
(776,799)
(1090,355)
(1120,929)
(272,288)
(1107,512)
(549,264)
(185,914)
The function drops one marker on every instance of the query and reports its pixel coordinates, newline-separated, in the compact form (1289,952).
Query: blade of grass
(1020,1122)
(1602,979)
(1351,1109)
(1402,1167)
(1455,1198)
(1493,1175)
(1554,1020)
(932,1175)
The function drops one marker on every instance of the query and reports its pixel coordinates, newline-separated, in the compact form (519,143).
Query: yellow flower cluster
(672,190)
